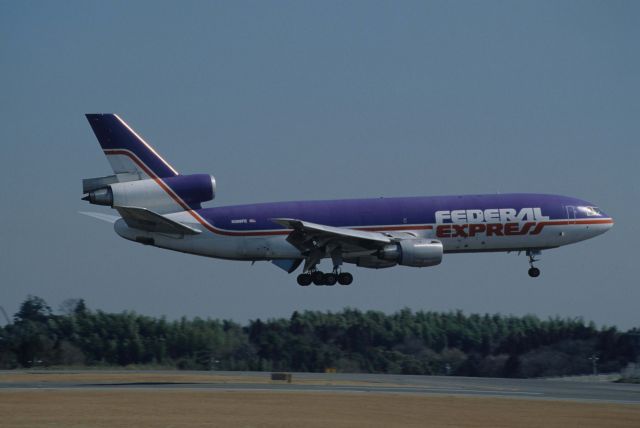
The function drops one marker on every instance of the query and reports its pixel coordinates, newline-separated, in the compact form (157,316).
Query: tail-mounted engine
(165,195)
(413,252)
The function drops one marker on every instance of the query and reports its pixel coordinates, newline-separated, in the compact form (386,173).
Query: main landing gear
(312,274)
(320,278)
(534,272)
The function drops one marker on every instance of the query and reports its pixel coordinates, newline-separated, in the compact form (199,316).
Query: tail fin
(126,151)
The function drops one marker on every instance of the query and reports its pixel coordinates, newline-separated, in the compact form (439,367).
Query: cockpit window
(590,211)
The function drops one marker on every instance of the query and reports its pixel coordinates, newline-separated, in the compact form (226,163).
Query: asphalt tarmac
(546,389)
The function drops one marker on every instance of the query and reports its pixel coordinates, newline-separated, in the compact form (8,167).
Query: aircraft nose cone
(606,223)
(609,220)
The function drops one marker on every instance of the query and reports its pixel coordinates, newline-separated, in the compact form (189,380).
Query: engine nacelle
(414,252)
(192,189)
(372,262)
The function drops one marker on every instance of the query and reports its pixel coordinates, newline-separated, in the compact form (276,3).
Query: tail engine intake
(161,195)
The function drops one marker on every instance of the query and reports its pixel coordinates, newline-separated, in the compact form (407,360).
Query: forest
(354,341)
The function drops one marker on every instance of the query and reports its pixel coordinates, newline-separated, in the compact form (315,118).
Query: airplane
(160,207)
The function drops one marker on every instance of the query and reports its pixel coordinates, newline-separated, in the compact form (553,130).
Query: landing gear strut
(534,272)
(320,278)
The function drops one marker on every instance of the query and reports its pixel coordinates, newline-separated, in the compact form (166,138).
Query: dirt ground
(189,408)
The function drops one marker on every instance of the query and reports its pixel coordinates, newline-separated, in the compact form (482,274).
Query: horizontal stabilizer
(144,219)
(100,216)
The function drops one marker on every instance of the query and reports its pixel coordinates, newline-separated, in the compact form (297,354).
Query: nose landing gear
(533,272)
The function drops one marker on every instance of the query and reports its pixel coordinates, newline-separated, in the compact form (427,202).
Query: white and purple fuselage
(466,223)
(162,208)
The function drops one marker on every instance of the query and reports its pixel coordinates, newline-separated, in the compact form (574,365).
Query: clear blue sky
(307,100)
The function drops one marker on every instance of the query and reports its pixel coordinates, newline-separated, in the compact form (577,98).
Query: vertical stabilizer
(126,151)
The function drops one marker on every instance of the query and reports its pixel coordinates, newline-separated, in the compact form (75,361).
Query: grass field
(188,408)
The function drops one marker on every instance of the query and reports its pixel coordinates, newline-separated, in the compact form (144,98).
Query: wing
(307,236)
(144,219)
(316,241)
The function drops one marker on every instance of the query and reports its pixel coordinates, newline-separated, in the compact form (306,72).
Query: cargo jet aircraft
(160,207)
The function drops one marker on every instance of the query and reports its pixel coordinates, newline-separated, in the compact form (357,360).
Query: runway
(542,389)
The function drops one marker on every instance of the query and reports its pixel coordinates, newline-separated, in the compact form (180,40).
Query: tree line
(405,342)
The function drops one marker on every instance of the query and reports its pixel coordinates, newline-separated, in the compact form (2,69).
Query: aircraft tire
(304,279)
(317,277)
(345,278)
(330,279)
(534,272)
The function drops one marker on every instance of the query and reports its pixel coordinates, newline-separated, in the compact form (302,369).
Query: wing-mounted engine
(371,262)
(164,195)
(413,252)
(367,249)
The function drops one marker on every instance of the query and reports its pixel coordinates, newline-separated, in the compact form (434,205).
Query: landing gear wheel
(317,277)
(330,279)
(345,278)
(304,279)
(534,272)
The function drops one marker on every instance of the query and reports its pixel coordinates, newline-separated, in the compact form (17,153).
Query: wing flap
(144,219)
